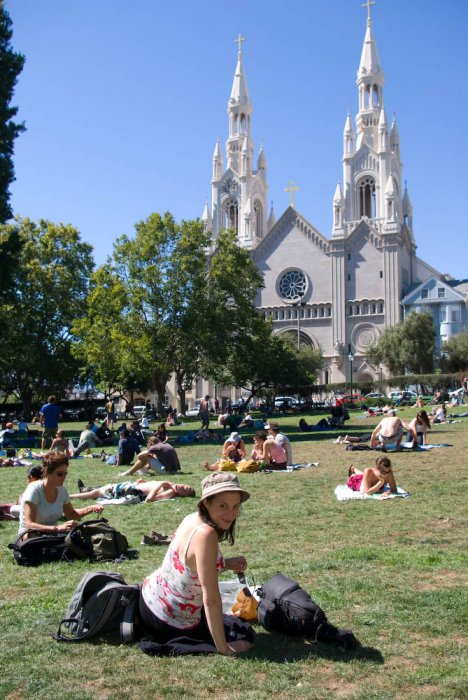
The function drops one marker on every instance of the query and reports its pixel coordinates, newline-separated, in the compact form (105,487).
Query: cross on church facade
(368,4)
(239,41)
(291,189)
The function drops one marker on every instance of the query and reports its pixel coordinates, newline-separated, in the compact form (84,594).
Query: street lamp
(380,378)
(351,358)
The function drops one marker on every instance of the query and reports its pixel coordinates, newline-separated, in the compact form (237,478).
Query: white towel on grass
(344,493)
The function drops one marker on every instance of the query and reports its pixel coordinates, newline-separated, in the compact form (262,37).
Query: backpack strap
(127,625)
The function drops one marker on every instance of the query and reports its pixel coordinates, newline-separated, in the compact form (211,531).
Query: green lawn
(394,572)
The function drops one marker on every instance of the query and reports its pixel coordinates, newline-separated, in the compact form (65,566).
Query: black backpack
(286,607)
(102,604)
(96,540)
(40,549)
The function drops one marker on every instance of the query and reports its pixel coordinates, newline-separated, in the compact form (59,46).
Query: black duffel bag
(40,548)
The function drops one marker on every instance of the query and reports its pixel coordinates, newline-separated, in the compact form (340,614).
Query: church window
(375,96)
(349,256)
(328,310)
(373,308)
(441,292)
(424,294)
(380,308)
(349,278)
(350,310)
(389,209)
(381,274)
(242,123)
(292,285)
(337,216)
(367,97)
(314,312)
(258,219)
(236,124)
(357,309)
(367,198)
(326,377)
(231,214)
(365,309)
(321,314)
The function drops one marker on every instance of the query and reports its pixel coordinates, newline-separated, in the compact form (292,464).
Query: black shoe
(81,486)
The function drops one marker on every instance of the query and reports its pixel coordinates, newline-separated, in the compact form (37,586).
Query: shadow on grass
(281,649)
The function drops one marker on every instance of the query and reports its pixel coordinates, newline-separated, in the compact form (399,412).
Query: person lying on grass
(46,501)
(181,597)
(373,479)
(147,490)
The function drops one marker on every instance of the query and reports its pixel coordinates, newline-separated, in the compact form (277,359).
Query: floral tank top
(173,592)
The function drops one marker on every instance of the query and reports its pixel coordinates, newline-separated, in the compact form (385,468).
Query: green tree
(11,65)
(153,323)
(49,291)
(407,347)
(455,354)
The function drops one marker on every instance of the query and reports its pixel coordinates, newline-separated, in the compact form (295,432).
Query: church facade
(335,293)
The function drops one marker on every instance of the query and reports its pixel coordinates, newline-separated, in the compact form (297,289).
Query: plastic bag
(229,590)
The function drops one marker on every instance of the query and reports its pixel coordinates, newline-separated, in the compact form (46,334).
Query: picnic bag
(102,604)
(249,466)
(40,549)
(226,465)
(96,540)
(286,607)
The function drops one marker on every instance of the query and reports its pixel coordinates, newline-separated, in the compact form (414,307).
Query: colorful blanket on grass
(344,493)
(291,468)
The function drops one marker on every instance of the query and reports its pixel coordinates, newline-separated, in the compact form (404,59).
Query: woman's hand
(236,564)
(96,509)
(66,526)
(238,647)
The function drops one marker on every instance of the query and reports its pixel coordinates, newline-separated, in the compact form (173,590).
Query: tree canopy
(455,354)
(11,65)
(49,292)
(407,347)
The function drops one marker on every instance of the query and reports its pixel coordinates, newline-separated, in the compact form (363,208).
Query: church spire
(370,80)
(239,111)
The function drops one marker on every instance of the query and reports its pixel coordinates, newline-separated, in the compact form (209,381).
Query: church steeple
(239,111)
(370,80)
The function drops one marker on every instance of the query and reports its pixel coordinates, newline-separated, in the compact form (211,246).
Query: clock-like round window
(293,285)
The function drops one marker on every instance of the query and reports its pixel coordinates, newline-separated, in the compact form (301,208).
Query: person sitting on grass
(160,457)
(45,502)
(127,449)
(147,490)
(390,431)
(181,597)
(420,425)
(439,414)
(60,444)
(33,474)
(373,479)
(305,427)
(233,449)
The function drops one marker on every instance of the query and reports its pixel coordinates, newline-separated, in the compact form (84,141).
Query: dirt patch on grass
(442,523)
(447,579)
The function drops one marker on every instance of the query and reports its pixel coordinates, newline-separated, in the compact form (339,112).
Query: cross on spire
(368,4)
(240,39)
(291,189)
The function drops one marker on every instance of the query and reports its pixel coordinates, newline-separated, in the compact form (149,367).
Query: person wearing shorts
(49,416)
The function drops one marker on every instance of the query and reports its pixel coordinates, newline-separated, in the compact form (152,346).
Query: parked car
(402,397)
(193,412)
(289,401)
(139,411)
(374,395)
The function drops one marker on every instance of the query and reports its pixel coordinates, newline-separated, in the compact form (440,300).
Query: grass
(394,572)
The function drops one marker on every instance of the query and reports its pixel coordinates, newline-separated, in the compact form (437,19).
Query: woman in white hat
(182,597)
(233,449)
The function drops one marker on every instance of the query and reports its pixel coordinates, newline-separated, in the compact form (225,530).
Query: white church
(335,293)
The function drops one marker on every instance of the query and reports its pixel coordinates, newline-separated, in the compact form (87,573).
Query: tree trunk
(160,387)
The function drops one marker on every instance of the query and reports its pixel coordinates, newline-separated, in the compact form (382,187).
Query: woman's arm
(241,448)
(392,483)
(204,548)
(77,513)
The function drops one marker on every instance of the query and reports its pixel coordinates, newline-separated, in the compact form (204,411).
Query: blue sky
(124,101)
